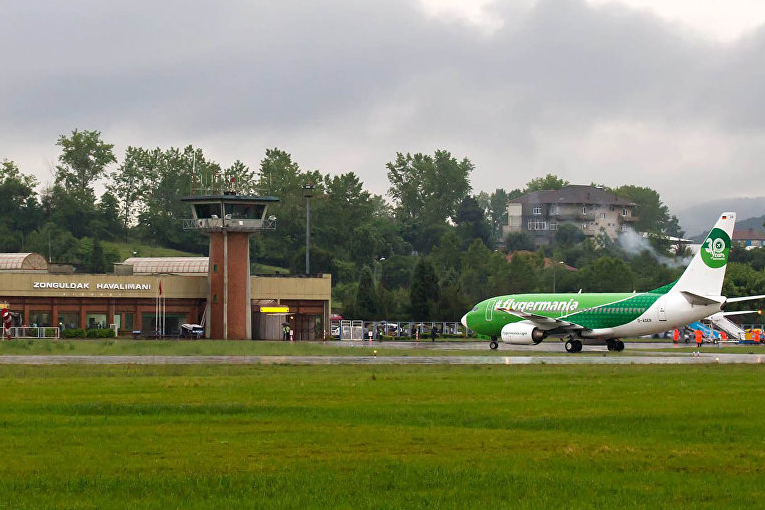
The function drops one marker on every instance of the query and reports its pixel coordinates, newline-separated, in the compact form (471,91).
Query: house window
(624,212)
(584,209)
(537,225)
(553,226)
(624,228)
(602,216)
(537,210)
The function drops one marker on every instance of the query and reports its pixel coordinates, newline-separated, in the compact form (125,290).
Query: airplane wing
(544,322)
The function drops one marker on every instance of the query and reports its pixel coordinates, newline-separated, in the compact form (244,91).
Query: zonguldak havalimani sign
(87,286)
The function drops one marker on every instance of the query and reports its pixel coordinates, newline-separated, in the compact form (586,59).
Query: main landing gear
(614,344)
(573,345)
(493,344)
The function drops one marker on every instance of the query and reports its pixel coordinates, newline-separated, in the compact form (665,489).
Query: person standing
(676,335)
(699,338)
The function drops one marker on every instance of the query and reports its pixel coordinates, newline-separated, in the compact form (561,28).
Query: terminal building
(155,296)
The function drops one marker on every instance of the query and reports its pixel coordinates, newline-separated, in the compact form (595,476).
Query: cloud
(601,93)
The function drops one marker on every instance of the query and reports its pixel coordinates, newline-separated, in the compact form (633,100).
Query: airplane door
(662,307)
(489,312)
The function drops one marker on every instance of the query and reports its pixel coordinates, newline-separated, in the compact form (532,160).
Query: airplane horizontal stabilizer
(745,298)
(698,299)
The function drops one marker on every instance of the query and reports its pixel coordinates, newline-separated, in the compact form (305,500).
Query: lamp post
(374,272)
(308,193)
(555,266)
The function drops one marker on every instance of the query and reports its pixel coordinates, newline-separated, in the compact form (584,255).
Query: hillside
(698,218)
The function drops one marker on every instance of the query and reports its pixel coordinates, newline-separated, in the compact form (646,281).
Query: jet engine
(520,333)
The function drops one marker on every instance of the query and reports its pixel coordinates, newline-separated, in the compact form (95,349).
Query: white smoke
(635,244)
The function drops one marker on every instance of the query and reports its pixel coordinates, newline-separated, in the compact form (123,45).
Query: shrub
(100,333)
(73,333)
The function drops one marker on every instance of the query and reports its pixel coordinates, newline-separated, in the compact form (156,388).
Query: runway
(424,353)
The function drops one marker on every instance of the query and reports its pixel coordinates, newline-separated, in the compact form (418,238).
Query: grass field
(381,437)
(127,347)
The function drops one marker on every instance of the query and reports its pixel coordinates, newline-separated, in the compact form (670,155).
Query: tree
(475,272)
(446,256)
(365,295)
(607,274)
(83,160)
(452,303)
(168,176)
(424,291)
(549,181)
(497,212)
(568,235)
(426,191)
(743,280)
(107,223)
(653,216)
(282,178)
(128,183)
(516,241)
(19,210)
(522,274)
(471,222)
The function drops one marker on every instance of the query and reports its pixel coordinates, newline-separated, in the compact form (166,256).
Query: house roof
(573,194)
(748,235)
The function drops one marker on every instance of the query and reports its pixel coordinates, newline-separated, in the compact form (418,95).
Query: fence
(31,332)
(359,330)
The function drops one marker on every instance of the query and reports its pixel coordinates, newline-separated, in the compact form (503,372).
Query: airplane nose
(464,320)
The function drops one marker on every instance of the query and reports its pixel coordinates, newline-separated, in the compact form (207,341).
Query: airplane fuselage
(592,315)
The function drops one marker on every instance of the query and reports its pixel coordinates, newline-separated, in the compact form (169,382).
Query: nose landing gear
(493,344)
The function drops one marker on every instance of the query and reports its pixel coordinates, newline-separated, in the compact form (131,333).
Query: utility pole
(308,193)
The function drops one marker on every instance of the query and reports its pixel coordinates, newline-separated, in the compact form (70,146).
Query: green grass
(126,250)
(381,437)
(129,347)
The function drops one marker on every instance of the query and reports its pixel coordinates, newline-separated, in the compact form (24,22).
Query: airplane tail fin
(704,275)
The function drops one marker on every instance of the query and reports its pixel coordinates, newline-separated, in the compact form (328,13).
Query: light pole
(555,265)
(308,193)
(374,273)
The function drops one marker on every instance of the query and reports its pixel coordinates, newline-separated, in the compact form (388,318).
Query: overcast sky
(668,94)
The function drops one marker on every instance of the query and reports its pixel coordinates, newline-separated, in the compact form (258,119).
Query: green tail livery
(526,319)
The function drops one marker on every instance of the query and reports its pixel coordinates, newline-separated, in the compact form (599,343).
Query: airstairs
(722,323)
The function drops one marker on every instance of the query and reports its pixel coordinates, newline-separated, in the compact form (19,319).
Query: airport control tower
(229,220)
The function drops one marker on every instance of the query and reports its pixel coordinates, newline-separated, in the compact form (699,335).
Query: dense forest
(430,248)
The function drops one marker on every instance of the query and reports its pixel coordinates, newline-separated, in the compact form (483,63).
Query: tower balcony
(229,224)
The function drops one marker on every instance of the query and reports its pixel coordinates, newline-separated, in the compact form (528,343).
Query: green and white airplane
(597,319)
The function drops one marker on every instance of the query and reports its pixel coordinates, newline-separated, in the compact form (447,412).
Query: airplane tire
(569,346)
(619,346)
(611,344)
(577,346)
(493,345)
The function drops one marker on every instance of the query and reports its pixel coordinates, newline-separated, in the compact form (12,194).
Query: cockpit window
(475,309)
